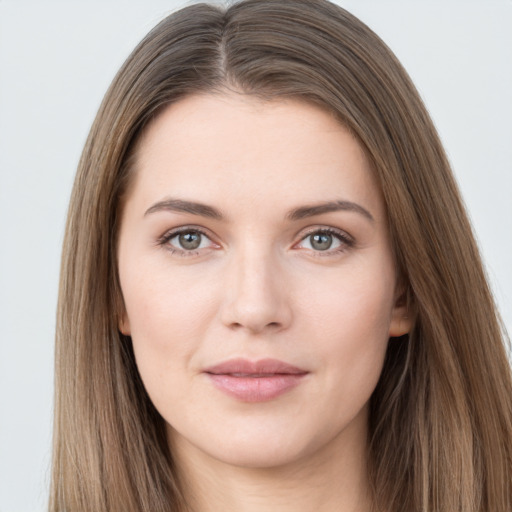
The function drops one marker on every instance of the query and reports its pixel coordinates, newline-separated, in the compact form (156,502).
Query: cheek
(349,323)
(168,320)
(357,303)
(165,311)
(164,305)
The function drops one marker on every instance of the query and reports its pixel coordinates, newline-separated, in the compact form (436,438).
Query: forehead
(237,147)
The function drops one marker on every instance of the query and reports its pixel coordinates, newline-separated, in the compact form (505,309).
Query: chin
(264,445)
(261,455)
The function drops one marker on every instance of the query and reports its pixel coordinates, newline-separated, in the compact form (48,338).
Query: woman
(271,297)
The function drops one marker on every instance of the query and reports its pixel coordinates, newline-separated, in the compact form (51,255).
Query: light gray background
(57,59)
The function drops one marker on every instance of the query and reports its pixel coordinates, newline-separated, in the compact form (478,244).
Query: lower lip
(256,389)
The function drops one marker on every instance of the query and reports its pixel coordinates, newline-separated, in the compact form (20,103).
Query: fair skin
(257,274)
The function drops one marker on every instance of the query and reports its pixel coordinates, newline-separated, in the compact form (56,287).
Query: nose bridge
(256,296)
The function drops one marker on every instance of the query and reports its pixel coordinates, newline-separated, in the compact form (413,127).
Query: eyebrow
(178,205)
(327,207)
(302,212)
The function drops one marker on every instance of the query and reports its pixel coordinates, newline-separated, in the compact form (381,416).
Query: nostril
(255,328)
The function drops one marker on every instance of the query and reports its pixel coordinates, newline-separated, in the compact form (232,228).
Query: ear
(401,316)
(124,324)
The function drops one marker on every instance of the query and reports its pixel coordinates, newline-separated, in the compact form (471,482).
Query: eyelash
(346,241)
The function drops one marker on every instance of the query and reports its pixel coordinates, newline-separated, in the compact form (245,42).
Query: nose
(256,296)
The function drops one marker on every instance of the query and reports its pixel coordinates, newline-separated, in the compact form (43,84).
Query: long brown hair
(441,415)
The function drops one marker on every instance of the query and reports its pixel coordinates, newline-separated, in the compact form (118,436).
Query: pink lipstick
(257,381)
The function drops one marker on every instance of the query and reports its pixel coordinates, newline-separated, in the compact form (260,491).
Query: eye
(185,242)
(326,240)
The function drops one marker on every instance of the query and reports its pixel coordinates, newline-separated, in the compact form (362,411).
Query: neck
(334,479)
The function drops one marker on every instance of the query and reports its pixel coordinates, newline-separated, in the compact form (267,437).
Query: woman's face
(258,279)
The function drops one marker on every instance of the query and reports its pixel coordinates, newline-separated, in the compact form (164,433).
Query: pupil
(321,241)
(190,240)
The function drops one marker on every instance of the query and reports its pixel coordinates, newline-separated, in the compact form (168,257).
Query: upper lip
(244,367)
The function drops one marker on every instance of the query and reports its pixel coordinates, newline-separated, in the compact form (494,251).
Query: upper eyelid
(327,229)
(171,233)
(305,231)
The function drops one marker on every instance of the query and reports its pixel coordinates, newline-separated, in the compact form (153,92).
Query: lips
(255,381)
